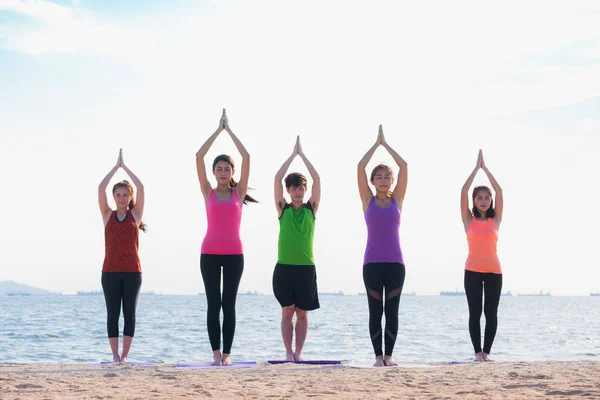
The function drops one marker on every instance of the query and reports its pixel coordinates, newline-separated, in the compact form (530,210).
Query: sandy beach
(499,380)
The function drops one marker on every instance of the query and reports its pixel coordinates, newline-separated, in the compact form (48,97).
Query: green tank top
(296,235)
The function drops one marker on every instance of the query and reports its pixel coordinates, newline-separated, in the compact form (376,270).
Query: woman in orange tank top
(483,273)
(121,271)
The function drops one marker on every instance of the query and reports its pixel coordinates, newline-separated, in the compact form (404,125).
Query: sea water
(171,329)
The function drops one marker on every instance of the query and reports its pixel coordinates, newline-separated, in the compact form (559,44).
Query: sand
(500,380)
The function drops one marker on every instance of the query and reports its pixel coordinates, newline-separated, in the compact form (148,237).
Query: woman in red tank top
(482,268)
(121,271)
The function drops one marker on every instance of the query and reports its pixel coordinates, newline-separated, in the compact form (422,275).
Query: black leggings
(233,267)
(377,277)
(476,283)
(121,287)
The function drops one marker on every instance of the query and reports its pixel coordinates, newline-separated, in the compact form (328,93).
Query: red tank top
(121,243)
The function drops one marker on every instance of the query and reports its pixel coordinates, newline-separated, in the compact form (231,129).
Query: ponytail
(247,198)
(130,207)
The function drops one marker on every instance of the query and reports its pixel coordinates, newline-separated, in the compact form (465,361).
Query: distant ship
(90,293)
(409,294)
(18,294)
(535,294)
(449,293)
(507,293)
(595,294)
(338,293)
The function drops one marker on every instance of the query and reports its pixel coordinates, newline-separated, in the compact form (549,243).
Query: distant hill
(12,287)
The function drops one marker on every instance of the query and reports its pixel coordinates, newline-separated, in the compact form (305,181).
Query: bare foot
(478,357)
(387,360)
(226,360)
(379,362)
(217,357)
(487,358)
(289,357)
(116,358)
(298,357)
(124,358)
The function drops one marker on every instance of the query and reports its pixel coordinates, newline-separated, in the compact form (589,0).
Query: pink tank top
(223,231)
(483,238)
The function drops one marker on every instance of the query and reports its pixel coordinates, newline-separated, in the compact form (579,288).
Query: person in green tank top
(295,277)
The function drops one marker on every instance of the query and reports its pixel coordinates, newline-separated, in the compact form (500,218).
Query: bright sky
(81,79)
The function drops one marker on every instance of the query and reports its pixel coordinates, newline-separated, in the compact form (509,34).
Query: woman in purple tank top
(383,266)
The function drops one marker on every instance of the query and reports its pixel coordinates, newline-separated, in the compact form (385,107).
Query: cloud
(43,11)
(459,56)
(61,29)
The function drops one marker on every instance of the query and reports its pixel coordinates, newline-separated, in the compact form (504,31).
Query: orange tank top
(121,244)
(483,238)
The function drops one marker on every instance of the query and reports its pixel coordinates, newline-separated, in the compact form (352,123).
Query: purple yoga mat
(207,364)
(316,362)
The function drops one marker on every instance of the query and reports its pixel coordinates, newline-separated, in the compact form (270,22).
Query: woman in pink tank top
(222,245)
(483,273)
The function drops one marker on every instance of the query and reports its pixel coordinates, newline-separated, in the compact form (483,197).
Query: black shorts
(296,285)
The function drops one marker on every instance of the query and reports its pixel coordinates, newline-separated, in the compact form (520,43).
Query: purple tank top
(383,237)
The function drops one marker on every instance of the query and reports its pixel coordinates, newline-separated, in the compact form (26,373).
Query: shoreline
(559,379)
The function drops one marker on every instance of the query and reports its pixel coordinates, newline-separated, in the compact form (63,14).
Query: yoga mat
(138,363)
(314,362)
(400,365)
(207,364)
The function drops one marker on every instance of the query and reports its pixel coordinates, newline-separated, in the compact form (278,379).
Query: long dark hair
(125,184)
(490,213)
(232,182)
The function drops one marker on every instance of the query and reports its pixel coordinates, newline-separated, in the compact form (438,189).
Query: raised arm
(242,186)
(278,185)
(363,180)
(138,209)
(465,212)
(205,186)
(402,181)
(499,206)
(315,191)
(105,210)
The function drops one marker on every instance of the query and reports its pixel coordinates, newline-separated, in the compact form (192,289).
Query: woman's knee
(475,310)
(113,318)
(491,312)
